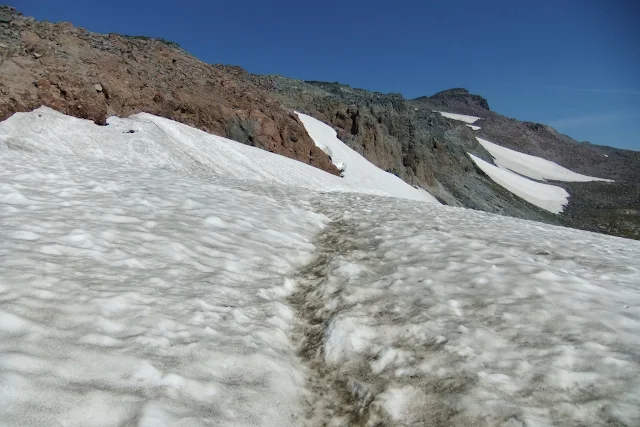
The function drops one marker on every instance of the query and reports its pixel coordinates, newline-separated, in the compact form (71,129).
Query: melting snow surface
(460,117)
(446,316)
(147,140)
(358,171)
(545,196)
(532,166)
(143,297)
(157,283)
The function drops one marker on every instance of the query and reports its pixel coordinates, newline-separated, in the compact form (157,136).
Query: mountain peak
(461,95)
(8,14)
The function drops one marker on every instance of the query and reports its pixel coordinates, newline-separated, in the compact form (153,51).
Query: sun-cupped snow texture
(145,139)
(358,171)
(545,196)
(140,297)
(150,291)
(421,315)
(460,117)
(532,166)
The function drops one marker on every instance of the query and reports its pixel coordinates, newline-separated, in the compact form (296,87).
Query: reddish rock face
(94,76)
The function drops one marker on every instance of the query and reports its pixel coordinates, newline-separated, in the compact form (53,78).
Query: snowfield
(433,315)
(135,296)
(168,277)
(151,141)
(460,117)
(532,166)
(545,196)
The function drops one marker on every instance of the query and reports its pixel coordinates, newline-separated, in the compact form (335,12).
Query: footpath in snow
(153,281)
(431,315)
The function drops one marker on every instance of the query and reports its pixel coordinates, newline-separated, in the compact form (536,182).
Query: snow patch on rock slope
(545,196)
(358,171)
(460,117)
(532,166)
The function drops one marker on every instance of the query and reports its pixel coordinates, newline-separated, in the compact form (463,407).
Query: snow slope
(142,297)
(460,117)
(144,139)
(441,316)
(147,282)
(474,127)
(358,171)
(532,166)
(545,196)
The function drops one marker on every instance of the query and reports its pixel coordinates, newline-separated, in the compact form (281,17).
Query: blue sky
(572,64)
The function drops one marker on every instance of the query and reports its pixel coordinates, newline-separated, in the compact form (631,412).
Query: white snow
(162,143)
(129,293)
(545,196)
(514,167)
(460,117)
(532,166)
(467,318)
(153,281)
(358,171)
(474,127)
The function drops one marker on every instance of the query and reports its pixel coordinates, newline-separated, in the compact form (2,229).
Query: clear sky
(573,64)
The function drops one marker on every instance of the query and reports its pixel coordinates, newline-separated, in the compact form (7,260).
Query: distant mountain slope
(93,76)
(612,208)
(413,140)
(536,139)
